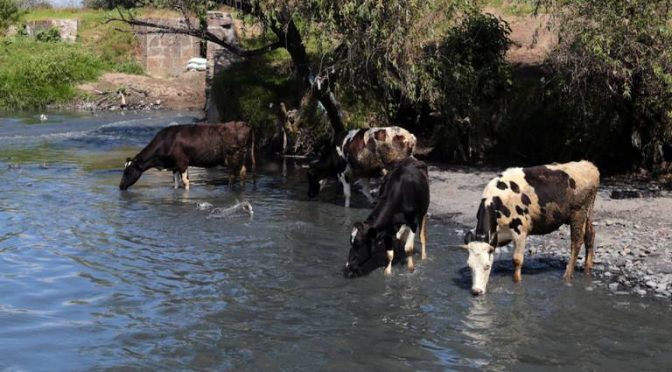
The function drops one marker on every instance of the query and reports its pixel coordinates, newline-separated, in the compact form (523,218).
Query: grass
(33,74)
(518,8)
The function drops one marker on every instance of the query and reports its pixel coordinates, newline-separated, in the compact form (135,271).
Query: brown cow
(202,145)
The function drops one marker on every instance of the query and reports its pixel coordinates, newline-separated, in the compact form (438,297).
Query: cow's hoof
(517,278)
(388,271)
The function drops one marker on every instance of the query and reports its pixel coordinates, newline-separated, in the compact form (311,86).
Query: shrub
(614,73)
(9,13)
(51,35)
(34,74)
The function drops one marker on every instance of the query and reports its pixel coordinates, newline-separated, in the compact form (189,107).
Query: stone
(613,287)
(651,284)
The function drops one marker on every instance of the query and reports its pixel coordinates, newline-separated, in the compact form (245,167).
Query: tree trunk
(315,84)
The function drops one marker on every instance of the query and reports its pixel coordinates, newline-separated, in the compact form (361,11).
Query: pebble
(640,291)
(651,284)
(613,287)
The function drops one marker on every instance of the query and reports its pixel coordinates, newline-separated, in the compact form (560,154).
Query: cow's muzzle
(477,291)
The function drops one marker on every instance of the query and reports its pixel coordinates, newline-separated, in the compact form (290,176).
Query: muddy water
(95,278)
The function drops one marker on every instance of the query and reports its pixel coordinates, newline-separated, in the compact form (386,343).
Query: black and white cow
(401,209)
(204,145)
(533,201)
(360,154)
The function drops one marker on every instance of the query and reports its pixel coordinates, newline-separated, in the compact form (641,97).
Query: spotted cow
(203,145)
(400,211)
(360,154)
(533,201)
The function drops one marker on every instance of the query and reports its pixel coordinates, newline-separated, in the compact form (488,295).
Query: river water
(95,278)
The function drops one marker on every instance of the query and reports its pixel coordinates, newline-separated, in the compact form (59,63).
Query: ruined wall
(166,55)
(67,28)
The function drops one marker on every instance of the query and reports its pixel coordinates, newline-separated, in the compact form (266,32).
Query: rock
(203,206)
(613,287)
(607,274)
(651,284)
(640,291)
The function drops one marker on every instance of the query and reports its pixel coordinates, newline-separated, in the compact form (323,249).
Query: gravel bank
(633,240)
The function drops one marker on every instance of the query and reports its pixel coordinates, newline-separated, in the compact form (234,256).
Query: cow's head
(131,174)
(367,250)
(481,258)
(327,166)
(316,180)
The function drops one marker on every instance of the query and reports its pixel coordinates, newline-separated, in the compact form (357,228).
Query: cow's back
(377,148)
(538,200)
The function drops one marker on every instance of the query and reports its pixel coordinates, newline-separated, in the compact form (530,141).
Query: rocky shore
(633,225)
(118,92)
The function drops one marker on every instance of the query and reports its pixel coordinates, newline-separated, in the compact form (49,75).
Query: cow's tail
(254,160)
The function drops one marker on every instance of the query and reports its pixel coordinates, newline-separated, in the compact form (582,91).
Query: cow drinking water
(203,145)
(533,201)
(400,210)
(360,154)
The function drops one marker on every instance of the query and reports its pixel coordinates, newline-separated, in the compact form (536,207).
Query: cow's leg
(589,240)
(577,228)
(518,255)
(423,237)
(243,175)
(346,189)
(176,180)
(390,258)
(185,178)
(406,234)
(366,190)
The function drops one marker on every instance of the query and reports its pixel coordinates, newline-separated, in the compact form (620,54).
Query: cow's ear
(468,237)
(493,240)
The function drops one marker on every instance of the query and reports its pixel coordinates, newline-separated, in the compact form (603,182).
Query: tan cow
(533,201)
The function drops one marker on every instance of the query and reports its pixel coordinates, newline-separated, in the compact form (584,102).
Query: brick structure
(165,55)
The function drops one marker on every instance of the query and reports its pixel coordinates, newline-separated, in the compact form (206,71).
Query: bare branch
(155,28)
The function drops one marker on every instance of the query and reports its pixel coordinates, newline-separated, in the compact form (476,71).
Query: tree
(366,44)
(614,69)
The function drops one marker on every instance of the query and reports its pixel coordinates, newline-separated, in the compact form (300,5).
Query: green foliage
(615,73)
(251,90)
(9,13)
(33,74)
(51,35)
(467,77)
(113,47)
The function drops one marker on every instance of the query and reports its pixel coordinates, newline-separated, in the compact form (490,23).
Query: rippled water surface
(95,278)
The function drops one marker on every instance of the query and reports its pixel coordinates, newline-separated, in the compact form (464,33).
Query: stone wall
(165,55)
(67,28)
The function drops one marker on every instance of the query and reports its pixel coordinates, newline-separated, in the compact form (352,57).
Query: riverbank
(185,92)
(633,243)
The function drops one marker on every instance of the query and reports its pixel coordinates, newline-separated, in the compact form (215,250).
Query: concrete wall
(67,28)
(166,55)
